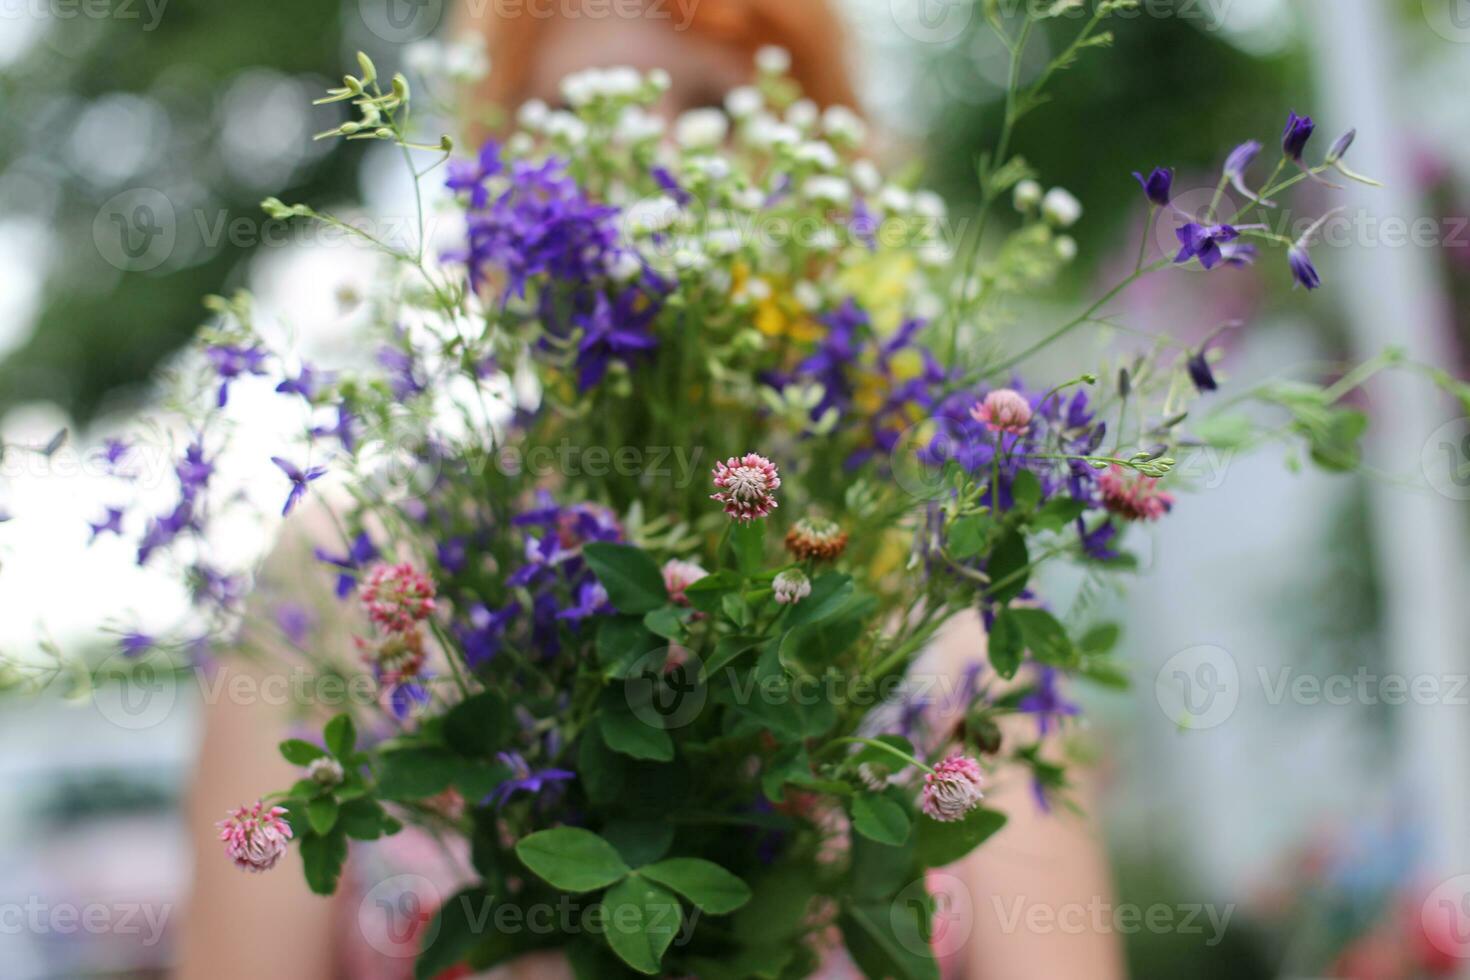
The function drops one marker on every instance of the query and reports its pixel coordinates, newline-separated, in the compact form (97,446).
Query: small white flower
(1066,247)
(866,176)
(773,60)
(520,144)
(791,586)
(936,255)
(1026,195)
(637,126)
(567,128)
(624,266)
(828,190)
(825,239)
(748,199)
(930,205)
(896,200)
(723,241)
(325,771)
(688,260)
(758,289)
(818,154)
(766,132)
(533,115)
(808,295)
(928,306)
(465,60)
(715,168)
(701,129)
(744,101)
(659,80)
(802,114)
(652,214)
(1060,208)
(844,125)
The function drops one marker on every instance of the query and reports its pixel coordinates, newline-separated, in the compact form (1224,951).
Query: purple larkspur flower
(668,183)
(1157,186)
(194,471)
(1204,242)
(1302,269)
(163,530)
(1237,163)
(1045,701)
(342,430)
(305,384)
(1294,139)
(212,586)
(232,361)
(469,176)
(300,480)
(295,621)
(591,601)
(523,779)
(618,330)
(136,643)
(1341,145)
(1199,372)
(483,632)
(113,452)
(360,553)
(111,523)
(453,555)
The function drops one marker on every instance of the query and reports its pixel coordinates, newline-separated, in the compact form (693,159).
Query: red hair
(809,29)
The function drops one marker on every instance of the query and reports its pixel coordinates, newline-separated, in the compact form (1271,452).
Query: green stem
(874,743)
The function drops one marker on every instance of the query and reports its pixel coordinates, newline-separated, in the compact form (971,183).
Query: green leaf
(362,819)
(1100,639)
(458,926)
(1224,431)
(1106,671)
(967,536)
(1044,636)
(602,772)
(623,641)
(633,582)
(710,887)
(340,736)
(413,774)
(479,726)
(667,622)
(321,813)
(642,920)
(639,842)
(1008,567)
(300,753)
(626,733)
(1057,513)
(881,819)
(571,859)
(1006,645)
(1026,491)
(726,650)
(790,763)
(748,539)
(890,939)
(940,843)
(707,594)
(323,858)
(830,593)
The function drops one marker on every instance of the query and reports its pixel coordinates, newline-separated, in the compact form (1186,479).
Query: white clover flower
(1026,195)
(825,239)
(533,115)
(624,266)
(1066,247)
(638,126)
(580,88)
(758,289)
(808,295)
(566,127)
(936,255)
(766,132)
(803,114)
(520,144)
(844,125)
(424,58)
(818,154)
(701,129)
(744,101)
(723,242)
(1060,208)
(651,215)
(866,176)
(465,60)
(659,80)
(622,82)
(928,306)
(930,205)
(896,200)
(714,168)
(773,60)
(748,199)
(689,260)
(827,190)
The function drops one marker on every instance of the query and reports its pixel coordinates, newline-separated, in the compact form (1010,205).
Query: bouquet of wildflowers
(658,481)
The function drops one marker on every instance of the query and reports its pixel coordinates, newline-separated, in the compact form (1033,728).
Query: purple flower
(469,177)
(231,361)
(304,384)
(162,531)
(1157,186)
(405,696)
(1203,242)
(194,471)
(111,523)
(1098,544)
(342,431)
(1200,373)
(300,480)
(1238,163)
(667,182)
(614,331)
(359,554)
(1045,701)
(1239,254)
(1302,269)
(480,638)
(295,621)
(136,643)
(1339,149)
(1299,130)
(113,452)
(523,779)
(591,601)
(453,555)
(403,378)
